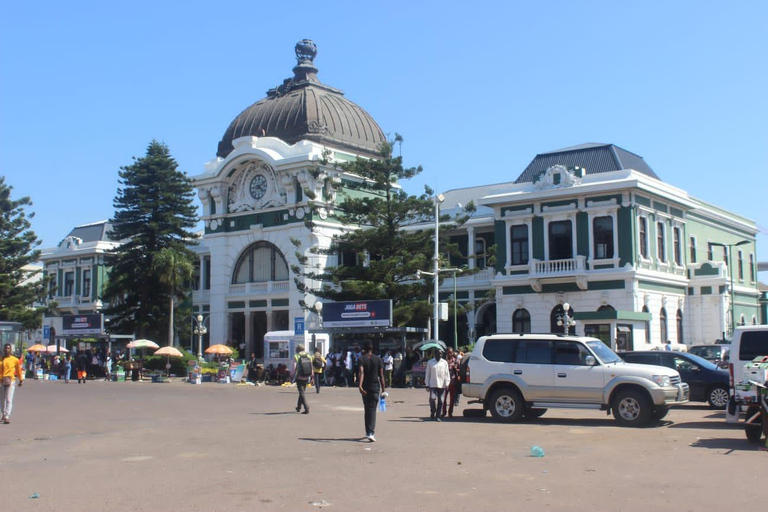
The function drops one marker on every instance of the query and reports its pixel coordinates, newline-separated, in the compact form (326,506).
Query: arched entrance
(485,320)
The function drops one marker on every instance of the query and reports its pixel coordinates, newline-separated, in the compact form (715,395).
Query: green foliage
(154,215)
(17,248)
(179,365)
(384,255)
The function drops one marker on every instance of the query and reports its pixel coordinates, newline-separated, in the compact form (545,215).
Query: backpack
(317,363)
(304,366)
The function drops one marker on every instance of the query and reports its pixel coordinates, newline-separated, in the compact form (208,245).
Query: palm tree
(174,268)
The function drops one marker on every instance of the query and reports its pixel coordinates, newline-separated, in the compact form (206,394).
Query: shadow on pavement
(292,413)
(334,439)
(732,445)
(708,425)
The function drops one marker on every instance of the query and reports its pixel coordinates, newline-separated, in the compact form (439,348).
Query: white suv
(517,375)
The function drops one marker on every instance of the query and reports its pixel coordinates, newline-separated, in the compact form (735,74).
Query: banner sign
(83,324)
(364,313)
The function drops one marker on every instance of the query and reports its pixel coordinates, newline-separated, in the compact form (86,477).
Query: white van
(748,343)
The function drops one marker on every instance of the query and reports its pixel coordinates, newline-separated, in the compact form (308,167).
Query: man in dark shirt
(370,378)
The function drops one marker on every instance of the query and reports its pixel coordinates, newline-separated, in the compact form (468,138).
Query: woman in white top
(389,365)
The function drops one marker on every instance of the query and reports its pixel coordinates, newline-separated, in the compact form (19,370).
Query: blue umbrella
(432,344)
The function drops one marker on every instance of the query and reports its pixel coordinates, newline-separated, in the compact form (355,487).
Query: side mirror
(590,360)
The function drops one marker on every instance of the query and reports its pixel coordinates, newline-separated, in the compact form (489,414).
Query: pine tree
(154,213)
(376,214)
(18,292)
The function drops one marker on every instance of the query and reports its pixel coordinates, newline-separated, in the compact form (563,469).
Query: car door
(533,366)
(574,381)
(689,372)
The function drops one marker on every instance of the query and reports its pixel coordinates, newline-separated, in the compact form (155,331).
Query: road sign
(298,326)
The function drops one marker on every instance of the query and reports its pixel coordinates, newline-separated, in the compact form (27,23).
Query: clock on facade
(258,186)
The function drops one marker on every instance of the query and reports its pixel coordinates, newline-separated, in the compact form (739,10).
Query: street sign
(46,332)
(298,326)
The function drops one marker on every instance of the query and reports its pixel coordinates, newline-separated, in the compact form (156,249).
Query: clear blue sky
(477,89)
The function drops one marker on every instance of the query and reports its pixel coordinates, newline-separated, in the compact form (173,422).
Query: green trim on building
(279,303)
(722,289)
(660,207)
(690,291)
(613,315)
(555,204)
(600,267)
(515,290)
(582,234)
(657,287)
(517,273)
(625,229)
(706,290)
(537,238)
(676,212)
(500,234)
(706,269)
(238,304)
(645,201)
(257,303)
(607,285)
(616,197)
(517,208)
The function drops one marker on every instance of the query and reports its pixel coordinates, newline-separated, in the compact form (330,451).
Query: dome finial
(306,50)
(305,70)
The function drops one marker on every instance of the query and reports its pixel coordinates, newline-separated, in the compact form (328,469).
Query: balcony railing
(570,266)
(259,288)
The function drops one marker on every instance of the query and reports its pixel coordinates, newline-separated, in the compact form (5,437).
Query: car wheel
(659,413)
(631,408)
(506,405)
(534,413)
(754,430)
(718,397)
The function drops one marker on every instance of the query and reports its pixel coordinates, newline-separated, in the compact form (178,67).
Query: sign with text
(298,326)
(83,324)
(364,313)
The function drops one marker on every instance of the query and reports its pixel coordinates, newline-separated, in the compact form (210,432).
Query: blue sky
(477,90)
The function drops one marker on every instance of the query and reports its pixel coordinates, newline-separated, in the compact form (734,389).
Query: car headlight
(662,380)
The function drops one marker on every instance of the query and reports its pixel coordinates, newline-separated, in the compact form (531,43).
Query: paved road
(172,447)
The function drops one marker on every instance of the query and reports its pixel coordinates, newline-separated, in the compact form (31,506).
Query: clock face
(258,186)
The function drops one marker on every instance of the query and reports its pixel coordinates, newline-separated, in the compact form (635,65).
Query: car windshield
(601,350)
(700,361)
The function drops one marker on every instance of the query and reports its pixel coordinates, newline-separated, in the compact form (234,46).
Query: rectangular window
(52,287)
(86,283)
(677,249)
(710,252)
(518,236)
(741,266)
(560,240)
(207,273)
(480,254)
(570,353)
(752,267)
(501,351)
(69,284)
(602,232)
(534,352)
(661,249)
(693,250)
(643,237)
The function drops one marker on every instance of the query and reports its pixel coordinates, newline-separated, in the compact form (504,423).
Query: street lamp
(564,320)
(419,273)
(439,198)
(730,272)
(200,331)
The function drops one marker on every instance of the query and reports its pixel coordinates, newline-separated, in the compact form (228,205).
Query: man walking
(10,368)
(318,366)
(302,372)
(436,380)
(370,378)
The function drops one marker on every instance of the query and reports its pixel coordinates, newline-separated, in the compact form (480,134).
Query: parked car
(517,375)
(708,383)
(717,354)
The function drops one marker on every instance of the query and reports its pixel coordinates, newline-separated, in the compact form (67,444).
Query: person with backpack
(318,364)
(302,372)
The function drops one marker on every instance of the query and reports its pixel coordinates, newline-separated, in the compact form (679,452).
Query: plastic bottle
(537,451)
(382,404)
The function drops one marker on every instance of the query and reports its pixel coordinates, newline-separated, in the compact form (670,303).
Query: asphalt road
(215,447)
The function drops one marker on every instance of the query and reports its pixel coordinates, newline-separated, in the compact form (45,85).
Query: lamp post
(200,330)
(439,198)
(730,272)
(419,273)
(565,321)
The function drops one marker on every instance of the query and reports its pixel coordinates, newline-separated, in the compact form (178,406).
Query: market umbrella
(142,343)
(218,349)
(37,348)
(426,345)
(51,349)
(169,352)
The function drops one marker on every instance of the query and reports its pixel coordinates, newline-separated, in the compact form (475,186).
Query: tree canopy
(19,289)
(154,214)
(380,247)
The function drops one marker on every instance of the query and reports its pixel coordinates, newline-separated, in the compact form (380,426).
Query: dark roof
(595,158)
(302,108)
(96,232)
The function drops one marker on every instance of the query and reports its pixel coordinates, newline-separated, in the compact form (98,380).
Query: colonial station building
(637,261)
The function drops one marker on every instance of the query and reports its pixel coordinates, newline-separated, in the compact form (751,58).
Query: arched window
(754,320)
(606,307)
(259,263)
(521,321)
(663,325)
(557,314)
(679,326)
(742,320)
(647,326)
